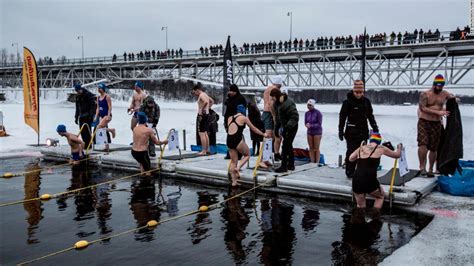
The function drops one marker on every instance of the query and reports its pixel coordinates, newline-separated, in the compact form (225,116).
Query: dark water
(271,229)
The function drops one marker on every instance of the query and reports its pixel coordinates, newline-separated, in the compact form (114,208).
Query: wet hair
(198,87)
(275,93)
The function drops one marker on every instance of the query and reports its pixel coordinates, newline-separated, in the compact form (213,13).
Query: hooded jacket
(85,104)
(153,113)
(288,114)
(356,112)
(231,105)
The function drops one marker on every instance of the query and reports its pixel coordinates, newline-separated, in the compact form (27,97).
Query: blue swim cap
(142,118)
(103,86)
(77,86)
(241,109)
(139,84)
(61,129)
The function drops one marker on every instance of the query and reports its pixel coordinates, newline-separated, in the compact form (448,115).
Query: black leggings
(256,147)
(142,158)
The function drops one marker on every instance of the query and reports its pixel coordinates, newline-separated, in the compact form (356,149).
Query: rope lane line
(151,224)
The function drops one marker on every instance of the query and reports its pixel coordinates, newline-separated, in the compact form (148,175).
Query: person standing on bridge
(137,101)
(430,113)
(355,112)
(85,110)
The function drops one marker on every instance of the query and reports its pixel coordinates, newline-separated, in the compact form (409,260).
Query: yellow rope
(47,256)
(40,169)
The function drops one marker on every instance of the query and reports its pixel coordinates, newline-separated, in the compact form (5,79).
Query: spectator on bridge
(399,38)
(295,44)
(85,110)
(313,120)
(114,58)
(153,54)
(355,112)
(420,36)
(392,37)
(330,43)
(124,56)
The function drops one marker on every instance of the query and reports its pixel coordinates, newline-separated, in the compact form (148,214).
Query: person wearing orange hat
(431,111)
(356,110)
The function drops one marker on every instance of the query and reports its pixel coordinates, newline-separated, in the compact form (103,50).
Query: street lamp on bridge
(17,53)
(82,41)
(290,14)
(165,28)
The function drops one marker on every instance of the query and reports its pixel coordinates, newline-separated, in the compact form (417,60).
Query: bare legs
(204,143)
(378,195)
(235,165)
(313,143)
(422,152)
(104,121)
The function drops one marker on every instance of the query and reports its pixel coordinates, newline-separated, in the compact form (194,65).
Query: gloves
(341,136)
(375,129)
(76,120)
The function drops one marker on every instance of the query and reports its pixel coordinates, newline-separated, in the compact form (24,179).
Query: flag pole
(363,59)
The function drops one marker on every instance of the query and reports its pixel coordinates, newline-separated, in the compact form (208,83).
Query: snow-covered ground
(397,124)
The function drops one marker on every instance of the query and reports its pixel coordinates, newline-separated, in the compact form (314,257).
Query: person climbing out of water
(152,111)
(77,145)
(430,113)
(137,101)
(367,159)
(355,111)
(103,112)
(313,120)
(288,119)
(235,143)
(141,137)
(85,110)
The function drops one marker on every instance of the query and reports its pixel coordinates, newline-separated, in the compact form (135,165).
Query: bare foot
(112,130)
(201,153)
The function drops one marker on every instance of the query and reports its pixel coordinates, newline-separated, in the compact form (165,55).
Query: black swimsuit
(234,139)
(365,176)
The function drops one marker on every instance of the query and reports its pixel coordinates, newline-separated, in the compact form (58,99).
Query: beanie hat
(234,88)
(375,137)
(439,80)
(77,86)
(142,118)
(358,85)
(277,80)
(139,84)
(241,109)
(61,129)
(311,102)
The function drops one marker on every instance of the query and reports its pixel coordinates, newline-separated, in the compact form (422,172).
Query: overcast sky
(50,28)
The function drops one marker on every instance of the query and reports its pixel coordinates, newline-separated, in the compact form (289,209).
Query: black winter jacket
(85,104)
(288,114)
(356,112)
(231,105)
(450,149)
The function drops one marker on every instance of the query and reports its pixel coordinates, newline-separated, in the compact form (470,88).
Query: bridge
(406,66)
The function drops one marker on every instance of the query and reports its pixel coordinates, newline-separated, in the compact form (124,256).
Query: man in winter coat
(152,111)
(355,112)
(288,119)
(85,111)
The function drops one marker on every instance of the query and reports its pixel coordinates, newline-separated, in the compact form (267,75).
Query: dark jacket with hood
(356,112)
(288,114)
(450,149)
(85,104)
(153,113)
(231,105)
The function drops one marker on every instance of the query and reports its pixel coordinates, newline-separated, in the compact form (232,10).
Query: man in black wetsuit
(85,111)
(355,112)
(234,99)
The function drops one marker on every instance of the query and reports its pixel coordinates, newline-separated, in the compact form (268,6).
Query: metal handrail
(236,51)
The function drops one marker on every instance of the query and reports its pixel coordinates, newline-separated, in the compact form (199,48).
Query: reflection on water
(270,229)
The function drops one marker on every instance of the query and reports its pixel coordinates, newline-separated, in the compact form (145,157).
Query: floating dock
(307,180)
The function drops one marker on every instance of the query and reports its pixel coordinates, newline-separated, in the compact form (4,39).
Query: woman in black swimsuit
(235,144)
(365,176)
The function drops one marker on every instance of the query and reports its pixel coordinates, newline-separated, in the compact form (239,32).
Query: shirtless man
(430,113)
(268,115)
(141,136)
(137,101)
(204,103)
(77,145)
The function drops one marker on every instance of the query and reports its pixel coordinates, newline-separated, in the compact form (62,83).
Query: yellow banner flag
(30,90)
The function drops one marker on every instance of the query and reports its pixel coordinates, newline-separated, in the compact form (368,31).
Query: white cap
(284,91)
(277,80)
(311,102)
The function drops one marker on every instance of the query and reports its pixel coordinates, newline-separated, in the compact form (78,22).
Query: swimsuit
(429,133)
(103,107)
(365,176)
(76,157)
(267,120)
(142,158)
(203,123)
(234,139)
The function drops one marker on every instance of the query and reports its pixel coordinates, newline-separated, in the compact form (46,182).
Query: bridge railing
(445,36)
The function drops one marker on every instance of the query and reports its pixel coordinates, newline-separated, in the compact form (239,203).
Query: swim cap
(439,80)
(241,109)
(142,118)
(139,84)
(375,137)
(61,129)
(77,86)
(311,102)
(102,86)
(277,80)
